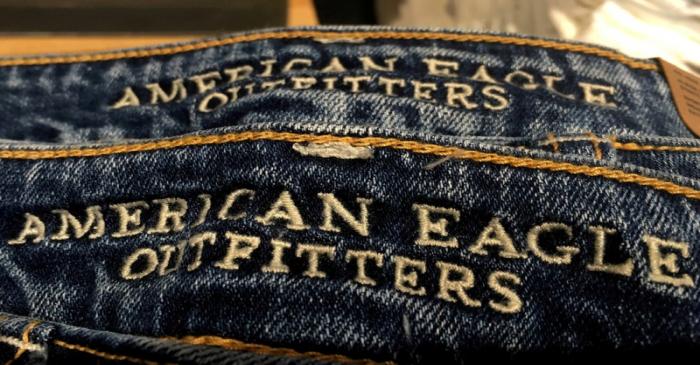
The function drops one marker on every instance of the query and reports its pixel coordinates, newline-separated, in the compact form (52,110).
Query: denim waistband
(344,195)
(492,85)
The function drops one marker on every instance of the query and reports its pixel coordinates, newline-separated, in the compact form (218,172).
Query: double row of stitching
(376,142)
(231,344)
(632,146)
(356,35)
(555,142)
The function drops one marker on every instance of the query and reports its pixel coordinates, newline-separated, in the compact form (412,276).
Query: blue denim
(345,195)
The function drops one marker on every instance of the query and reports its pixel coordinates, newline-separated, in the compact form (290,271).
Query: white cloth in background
(640,28)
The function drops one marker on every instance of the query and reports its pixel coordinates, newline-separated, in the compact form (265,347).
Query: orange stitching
(25,341)
(377,142)
(236,345)
(552,139)
(483,38)
(625,146)
(632,146)
(598,153)
(101,354)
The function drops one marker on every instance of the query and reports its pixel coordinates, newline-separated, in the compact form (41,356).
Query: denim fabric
(344,195)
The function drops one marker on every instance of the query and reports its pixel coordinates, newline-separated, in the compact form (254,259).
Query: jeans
(344,195)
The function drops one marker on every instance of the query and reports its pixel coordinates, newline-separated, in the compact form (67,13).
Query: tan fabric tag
(685,89)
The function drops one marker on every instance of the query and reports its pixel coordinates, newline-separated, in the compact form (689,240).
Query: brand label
(460,85)
(685,89)
(333,217)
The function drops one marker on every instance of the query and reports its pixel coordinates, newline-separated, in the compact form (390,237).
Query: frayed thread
(334,150)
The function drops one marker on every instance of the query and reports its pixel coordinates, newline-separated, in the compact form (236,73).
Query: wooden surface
(299,12)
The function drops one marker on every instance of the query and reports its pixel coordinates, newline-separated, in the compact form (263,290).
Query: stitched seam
(236,345)
(625,146)
(632,146)
(477,38)
(565,139)
(552,140)
(377,142)
(104,355)
(25,341)
(597,152)
(15,342)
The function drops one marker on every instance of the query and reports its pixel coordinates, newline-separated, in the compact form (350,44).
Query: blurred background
(640,28)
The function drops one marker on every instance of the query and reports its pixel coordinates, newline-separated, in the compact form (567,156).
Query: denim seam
(595,141)
(16,342)
(552,140)
(377,142)
(237,345)
(25,341)
(556,142)
(636,147)
(300,34)
(102,354)
(224,343)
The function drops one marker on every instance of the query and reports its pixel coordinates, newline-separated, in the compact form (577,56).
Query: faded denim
(526,197)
